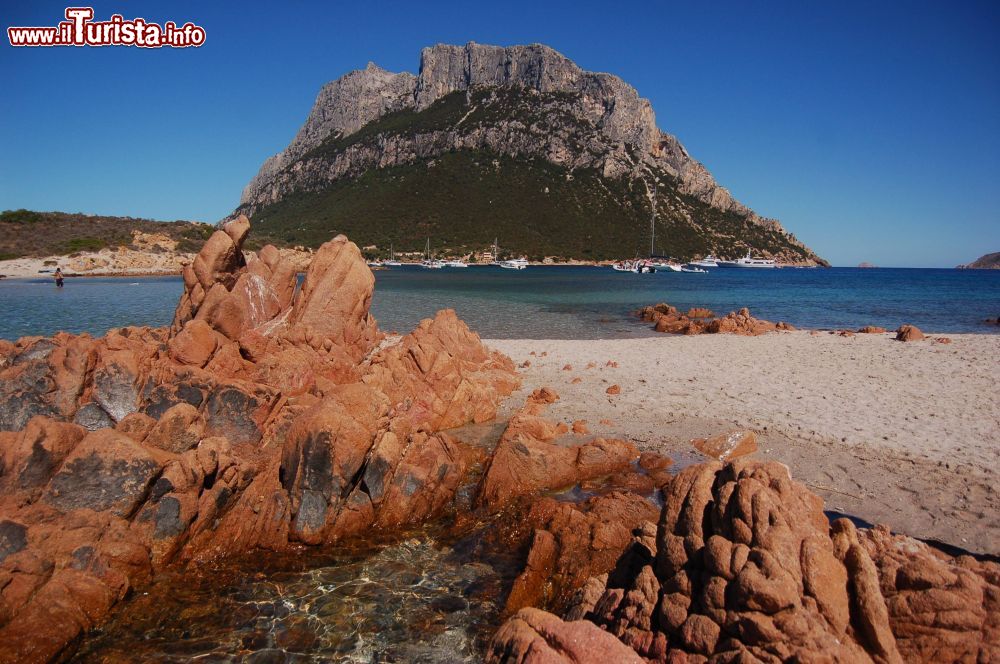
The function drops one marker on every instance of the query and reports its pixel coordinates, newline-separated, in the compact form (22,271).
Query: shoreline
(906,434)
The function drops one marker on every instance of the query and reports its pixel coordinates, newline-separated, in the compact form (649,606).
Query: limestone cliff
(525,120)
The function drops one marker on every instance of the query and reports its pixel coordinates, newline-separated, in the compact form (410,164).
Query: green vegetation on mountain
(467,169)
(464,199)
(31,233)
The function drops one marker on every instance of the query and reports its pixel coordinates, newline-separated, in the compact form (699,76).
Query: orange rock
(440,375)
(580,427)
(909,333)
(872,329)
(614,389)
(727,446)
(943,340)
(525,461)
(567,367)
(335,297)
(194,344)
(525,364)
(576,380)
(537,637)
(612,364)
(607,422)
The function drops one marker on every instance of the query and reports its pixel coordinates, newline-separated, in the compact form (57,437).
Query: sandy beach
(906,434)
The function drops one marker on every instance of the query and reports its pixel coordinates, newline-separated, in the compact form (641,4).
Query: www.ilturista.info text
(81,30)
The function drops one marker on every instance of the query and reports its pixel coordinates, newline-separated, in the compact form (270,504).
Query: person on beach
(58,277)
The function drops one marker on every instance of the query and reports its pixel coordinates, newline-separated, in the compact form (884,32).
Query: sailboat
(428,262)
(510,264)
(392,262)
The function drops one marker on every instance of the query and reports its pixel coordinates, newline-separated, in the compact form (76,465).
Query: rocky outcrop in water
(666,318)
(264,417)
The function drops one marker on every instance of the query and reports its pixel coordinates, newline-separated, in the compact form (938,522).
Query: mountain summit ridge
(525,102)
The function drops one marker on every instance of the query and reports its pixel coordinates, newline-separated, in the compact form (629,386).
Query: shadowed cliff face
(520,102)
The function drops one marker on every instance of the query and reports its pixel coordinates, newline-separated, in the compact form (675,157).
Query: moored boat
(749,262)
(514,264)
(707,261)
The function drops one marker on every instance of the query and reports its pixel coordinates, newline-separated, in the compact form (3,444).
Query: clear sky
(870,129)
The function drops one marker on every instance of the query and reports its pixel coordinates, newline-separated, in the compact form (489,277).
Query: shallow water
(560,302)
(415,600)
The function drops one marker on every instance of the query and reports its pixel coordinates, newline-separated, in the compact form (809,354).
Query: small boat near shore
(456,263)
(636,266)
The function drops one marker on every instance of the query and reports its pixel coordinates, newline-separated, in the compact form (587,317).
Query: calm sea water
(560,302)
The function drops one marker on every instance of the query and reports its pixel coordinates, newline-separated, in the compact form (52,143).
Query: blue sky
(871,130)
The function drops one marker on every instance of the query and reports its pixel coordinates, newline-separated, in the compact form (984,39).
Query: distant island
(986,262)
(515,143)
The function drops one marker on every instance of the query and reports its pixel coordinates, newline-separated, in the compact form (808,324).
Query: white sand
(866,417)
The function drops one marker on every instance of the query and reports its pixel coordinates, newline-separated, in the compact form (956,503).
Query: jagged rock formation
(585,143)
(265,416)
(744,566)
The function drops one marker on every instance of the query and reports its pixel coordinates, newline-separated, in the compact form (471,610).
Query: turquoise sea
(560,302)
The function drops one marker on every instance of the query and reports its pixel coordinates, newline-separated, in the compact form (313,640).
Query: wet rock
(34,454)
(322,456)
(727,446)
(13,538)
(909,333)
(537,637)
(105,471)
(236,414)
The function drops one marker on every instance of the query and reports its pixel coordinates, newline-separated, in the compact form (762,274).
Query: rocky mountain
(512,142)
(986,262)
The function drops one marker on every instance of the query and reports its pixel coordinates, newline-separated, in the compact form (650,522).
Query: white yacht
(663,265)
(748,262)
(456,263)
(514,264)
(707,261)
